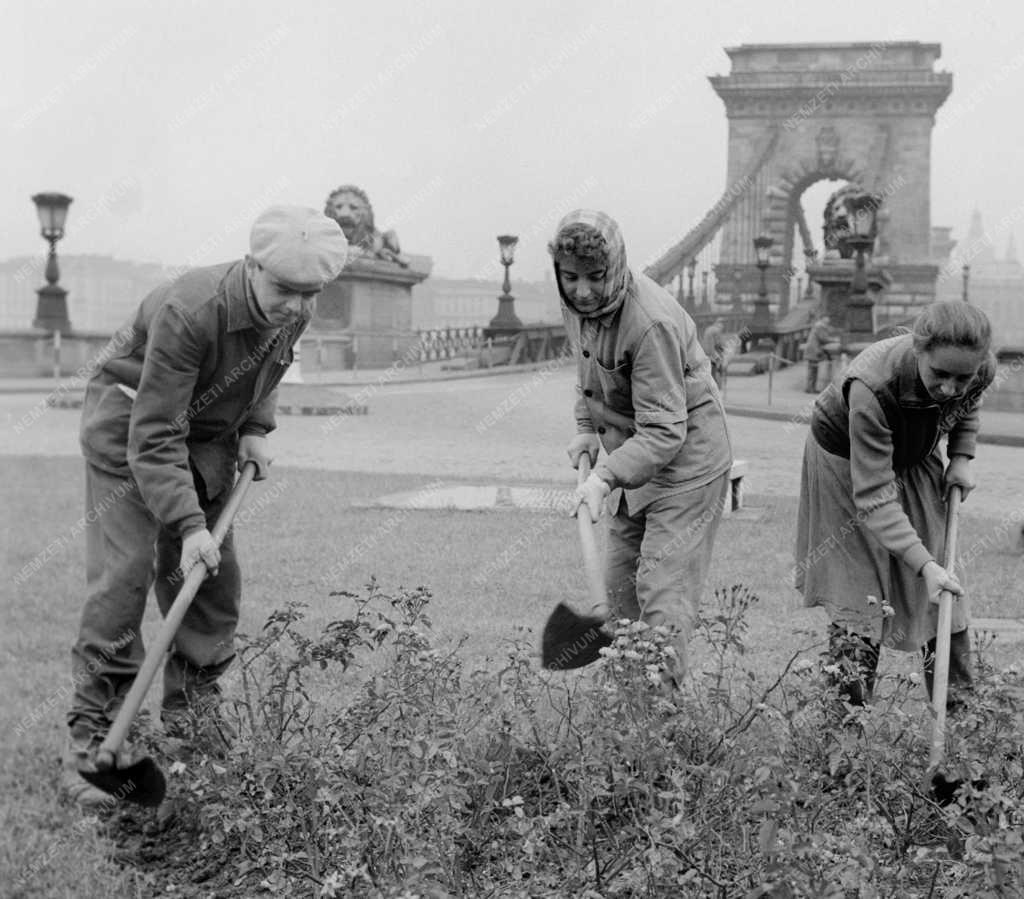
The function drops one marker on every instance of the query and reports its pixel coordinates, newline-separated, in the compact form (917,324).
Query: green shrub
(370,763)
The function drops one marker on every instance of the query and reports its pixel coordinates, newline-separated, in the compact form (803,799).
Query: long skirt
(842,567)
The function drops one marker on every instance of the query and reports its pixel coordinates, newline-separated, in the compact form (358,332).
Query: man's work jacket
(195,368)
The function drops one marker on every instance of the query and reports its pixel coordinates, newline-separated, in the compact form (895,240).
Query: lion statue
(350,207)
(837,219)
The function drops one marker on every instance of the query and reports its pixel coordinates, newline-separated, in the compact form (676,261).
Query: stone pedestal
(762,320)
(913,286)
(506,323)
(367,311)
(52,310)
(852,316)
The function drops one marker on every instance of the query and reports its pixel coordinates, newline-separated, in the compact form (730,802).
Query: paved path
(512,428)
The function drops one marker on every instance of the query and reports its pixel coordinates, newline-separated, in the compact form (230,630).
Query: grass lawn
(299,537)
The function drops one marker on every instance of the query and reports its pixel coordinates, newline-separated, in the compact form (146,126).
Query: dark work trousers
(657,561)
(126,548)
(857,658)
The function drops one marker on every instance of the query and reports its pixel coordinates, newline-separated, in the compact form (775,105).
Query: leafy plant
(370,763)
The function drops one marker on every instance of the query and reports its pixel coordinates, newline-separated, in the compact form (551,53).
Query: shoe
(79,752)
(203,730)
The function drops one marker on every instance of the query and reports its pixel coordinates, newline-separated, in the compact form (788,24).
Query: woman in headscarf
(647,397)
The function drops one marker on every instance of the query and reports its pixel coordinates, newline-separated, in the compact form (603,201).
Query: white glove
(199,545)
(593,492)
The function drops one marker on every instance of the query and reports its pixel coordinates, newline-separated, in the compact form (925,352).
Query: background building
(102,291)
(995,284)
(460,303)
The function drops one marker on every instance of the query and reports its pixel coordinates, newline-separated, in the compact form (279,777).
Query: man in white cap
(186,393)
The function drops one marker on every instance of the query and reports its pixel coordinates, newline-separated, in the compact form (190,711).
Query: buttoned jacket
(645,387)
(179,383)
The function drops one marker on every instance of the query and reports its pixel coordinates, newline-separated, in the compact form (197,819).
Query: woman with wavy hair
(873,493)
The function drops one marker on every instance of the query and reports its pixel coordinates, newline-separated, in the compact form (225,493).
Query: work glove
(938,579)
(196,546)
(583,443)
(592,492)
(255,448)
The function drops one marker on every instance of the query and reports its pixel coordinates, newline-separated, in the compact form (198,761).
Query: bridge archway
(801,113)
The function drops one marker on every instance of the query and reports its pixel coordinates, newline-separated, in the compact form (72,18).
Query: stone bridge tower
(801,113)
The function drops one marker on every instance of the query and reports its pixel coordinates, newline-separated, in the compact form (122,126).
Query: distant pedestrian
(713,342)
(871,520)
(646,396)
(816,350)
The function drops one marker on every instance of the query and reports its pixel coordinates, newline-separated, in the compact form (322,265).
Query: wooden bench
(734,500)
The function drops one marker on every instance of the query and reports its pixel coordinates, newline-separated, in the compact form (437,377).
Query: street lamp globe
(862,220)
(762,249)
(507,244)
(52,209)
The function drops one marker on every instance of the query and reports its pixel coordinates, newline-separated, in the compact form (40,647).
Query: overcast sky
(172,124)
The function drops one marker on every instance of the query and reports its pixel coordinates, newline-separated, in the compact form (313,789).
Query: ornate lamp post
(52,306)
(966,271)
(861,212)
(506,319)
(810,258)
(762,248)
(737,300)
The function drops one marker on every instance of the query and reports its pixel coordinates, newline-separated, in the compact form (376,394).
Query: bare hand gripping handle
(107,753)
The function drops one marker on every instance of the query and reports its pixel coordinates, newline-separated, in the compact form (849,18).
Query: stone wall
(31,354)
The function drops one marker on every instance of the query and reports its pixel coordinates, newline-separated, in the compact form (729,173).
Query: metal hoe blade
(142,782)
(571,640)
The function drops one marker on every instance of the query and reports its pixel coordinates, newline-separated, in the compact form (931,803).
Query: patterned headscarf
(619,279)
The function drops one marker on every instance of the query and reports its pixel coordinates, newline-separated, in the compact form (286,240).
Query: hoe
(142,781)
(571,640)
